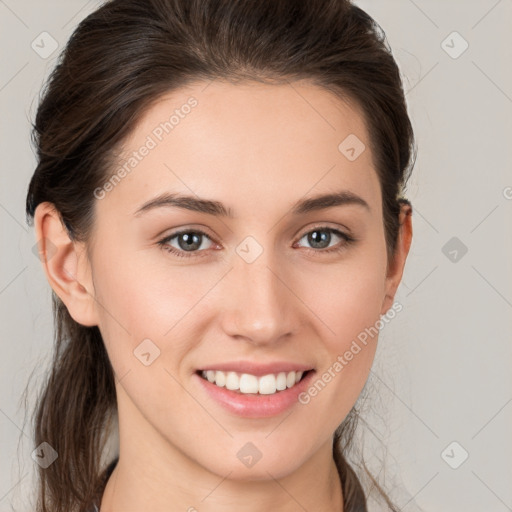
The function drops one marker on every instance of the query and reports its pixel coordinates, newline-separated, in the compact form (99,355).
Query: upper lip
(258,369)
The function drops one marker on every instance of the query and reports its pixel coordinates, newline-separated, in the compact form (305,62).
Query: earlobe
(65,264)
(395,270)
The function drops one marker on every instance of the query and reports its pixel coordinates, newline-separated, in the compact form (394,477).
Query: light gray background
(442,373)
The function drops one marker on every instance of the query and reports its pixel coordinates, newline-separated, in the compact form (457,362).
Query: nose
(260,305)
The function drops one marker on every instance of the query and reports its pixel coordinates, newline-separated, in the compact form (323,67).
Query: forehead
(246,144)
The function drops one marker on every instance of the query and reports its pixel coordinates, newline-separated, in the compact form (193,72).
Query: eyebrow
(216,208)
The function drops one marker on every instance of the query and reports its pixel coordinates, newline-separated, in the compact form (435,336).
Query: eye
(187,240)
(321,236)
(191,241)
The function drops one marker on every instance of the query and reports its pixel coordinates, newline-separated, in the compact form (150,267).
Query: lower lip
(255,405)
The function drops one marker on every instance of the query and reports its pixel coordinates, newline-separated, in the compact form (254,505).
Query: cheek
(141,295)
(347,297)
(138,301)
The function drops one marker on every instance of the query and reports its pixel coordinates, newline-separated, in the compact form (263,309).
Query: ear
(65,264)
(397,263)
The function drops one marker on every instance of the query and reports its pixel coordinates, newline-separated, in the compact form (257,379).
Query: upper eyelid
(342,229)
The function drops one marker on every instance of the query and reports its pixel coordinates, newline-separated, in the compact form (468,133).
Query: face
(267,281)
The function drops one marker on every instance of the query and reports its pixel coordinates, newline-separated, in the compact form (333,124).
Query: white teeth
(232,381)
(267,385)
(246,383)
(220,380)
(281,381)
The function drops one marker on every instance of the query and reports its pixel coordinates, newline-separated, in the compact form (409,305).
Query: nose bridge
(260,305)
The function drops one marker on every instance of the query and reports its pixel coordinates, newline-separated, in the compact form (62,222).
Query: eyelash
(347,240)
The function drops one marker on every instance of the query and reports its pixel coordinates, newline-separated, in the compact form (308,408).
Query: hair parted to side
(118,61)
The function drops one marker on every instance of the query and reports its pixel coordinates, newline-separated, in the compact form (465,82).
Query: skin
(258,149)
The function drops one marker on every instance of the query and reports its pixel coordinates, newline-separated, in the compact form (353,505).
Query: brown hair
(118,61)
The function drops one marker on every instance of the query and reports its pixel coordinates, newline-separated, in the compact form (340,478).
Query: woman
(218,203)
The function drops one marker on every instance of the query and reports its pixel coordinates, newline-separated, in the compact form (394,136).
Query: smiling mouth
(244,383)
